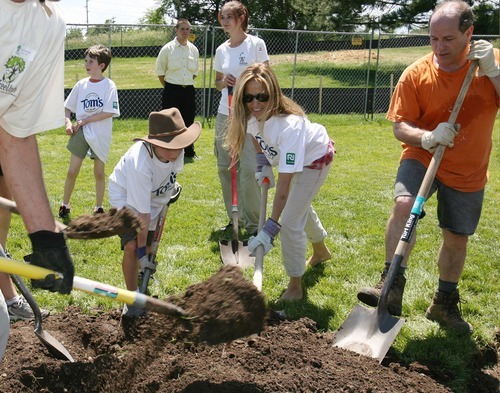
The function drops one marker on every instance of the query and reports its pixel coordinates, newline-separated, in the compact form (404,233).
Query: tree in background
(153,16)
(108,27)
(487,18)
(326,15)
(414,14)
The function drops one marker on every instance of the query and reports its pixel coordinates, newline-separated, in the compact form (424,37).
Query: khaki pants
(299,222)
(248,188)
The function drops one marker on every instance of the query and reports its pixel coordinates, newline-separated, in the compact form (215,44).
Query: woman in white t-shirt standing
(302,152)
(231,58)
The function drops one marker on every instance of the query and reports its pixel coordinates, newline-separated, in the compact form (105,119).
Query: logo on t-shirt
(167,185)
(14,67)
(92,102)
(243,58)
(290,158)
(115,105)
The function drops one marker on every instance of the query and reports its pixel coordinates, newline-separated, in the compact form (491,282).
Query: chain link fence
(325,72)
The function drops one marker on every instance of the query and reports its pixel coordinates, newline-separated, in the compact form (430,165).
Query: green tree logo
(14,66)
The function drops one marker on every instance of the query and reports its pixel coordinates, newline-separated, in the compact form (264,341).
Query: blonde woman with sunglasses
(301,151)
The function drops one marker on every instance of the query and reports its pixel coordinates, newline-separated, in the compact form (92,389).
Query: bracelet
(261,161)
(271,227)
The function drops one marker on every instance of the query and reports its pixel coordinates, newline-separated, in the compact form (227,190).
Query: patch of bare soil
(250,351)
(351,56)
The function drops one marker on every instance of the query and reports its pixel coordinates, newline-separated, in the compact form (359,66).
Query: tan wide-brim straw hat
(167,130)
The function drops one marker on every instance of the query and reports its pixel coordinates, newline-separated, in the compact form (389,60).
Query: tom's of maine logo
(290,158)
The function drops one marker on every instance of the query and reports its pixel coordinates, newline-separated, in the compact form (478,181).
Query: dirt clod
(224,307)
(95,226)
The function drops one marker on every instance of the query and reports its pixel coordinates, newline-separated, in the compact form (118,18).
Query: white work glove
(145,263)
(144,260)
(443,134)
(262,239)
(267,172)
(264,170)
(265,237)
(482,51)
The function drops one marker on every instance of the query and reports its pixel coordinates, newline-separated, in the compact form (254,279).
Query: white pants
(247,186)
(4,326)
(299,222)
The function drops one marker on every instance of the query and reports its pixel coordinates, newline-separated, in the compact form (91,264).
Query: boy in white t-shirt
(144,180)
(94,100)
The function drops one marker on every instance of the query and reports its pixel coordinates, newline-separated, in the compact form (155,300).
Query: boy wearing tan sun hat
(144,180)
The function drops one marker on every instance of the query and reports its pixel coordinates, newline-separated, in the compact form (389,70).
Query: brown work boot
(371,295)
(444,310)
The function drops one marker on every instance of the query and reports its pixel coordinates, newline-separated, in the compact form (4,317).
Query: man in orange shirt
(420,109)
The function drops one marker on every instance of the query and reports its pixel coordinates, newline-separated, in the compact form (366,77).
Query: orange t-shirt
(424,97)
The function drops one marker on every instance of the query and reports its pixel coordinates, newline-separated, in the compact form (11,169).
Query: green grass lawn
(328,69)
(353,205)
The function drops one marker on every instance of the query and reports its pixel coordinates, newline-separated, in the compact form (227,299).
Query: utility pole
(87,10)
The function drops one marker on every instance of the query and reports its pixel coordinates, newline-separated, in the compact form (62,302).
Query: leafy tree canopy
(328,15)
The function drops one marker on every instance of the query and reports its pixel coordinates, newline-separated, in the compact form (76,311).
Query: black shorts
(130,236)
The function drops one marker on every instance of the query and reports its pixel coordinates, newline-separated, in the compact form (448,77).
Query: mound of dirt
(221,309)
(231,344)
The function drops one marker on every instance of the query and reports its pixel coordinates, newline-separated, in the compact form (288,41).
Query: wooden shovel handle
(11,206)
(259,252)
(438,154)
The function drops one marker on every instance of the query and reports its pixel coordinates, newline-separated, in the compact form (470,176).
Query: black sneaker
(64,212)
(99,210)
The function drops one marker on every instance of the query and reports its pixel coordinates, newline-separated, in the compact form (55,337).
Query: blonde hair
(278,104)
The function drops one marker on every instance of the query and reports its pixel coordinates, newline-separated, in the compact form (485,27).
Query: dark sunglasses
(261,97)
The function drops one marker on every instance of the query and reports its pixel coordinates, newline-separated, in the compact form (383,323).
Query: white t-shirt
(290,142)
(142,182)
(234,60)
(88,98)
(31,67)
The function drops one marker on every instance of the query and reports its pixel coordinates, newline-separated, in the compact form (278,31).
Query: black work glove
(50,251)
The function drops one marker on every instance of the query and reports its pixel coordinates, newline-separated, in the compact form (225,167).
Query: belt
(326,159)
(183,86)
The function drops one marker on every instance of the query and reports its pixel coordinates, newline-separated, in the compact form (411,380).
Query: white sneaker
(22,310)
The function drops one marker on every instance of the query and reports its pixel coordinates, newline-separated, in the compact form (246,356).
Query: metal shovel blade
(235,253)
(368,332)
(50,342)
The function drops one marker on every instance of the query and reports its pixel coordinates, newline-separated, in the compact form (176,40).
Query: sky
(124,11)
